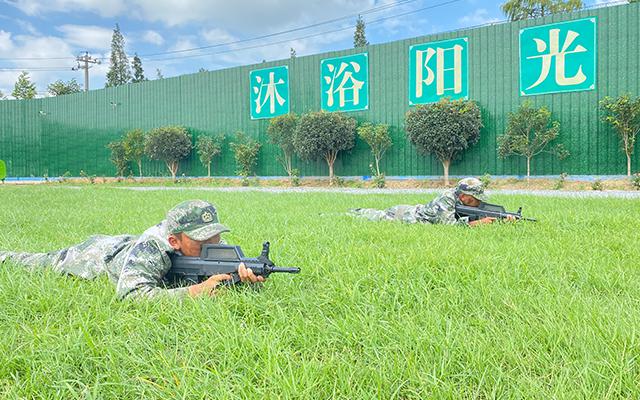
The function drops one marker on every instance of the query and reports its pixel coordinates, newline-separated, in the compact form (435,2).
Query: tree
(323,135)
(159,74)
(202,70)
(138,72)
(59,87)
(292,53)
(119,158)
(281,132)
(444,129)
(3,171)
(524,9)
(133,143)
(24,88)
(359,36)
(378,138)
(623,114)
(119,71)
(169,144)
(2,96)
(207,148)
(246,151)
(528,133)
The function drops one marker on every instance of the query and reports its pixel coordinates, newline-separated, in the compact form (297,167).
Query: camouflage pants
(402,213)
(86,260)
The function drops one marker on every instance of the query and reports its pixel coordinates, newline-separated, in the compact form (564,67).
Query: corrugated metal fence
(70,133)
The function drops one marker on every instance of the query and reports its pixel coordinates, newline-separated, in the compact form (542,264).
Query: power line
(369,11)
(85,59)
(37,69)
(36,58)
(365,12)
(305,37)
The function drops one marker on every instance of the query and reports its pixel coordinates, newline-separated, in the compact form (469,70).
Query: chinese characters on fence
(554,58)
(558,57)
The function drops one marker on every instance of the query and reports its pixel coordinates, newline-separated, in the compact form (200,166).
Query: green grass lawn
(380,310)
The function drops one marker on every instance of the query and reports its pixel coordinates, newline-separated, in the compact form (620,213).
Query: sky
(45,37)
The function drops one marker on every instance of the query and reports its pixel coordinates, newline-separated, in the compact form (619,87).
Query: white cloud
(246,16)
(153,37)
(6,44)
(217,36)
(108,8)
(28,27)
(182,43)
(478,17)
(87,36)
(24,46)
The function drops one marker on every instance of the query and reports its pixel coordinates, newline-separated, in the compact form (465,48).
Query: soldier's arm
(444,210)
(142,273)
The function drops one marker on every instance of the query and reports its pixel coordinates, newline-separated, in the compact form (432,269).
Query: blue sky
(44,37)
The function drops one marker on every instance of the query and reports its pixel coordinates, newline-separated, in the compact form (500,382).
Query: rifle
(488,210)
(221,259)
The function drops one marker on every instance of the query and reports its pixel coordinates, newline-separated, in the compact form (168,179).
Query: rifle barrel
(288,270)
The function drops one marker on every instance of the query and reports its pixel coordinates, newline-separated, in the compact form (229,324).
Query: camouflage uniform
(440,210)
(135,264)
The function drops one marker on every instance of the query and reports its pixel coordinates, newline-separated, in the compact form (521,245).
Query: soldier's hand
(247,275)
(483,221)
(208,287)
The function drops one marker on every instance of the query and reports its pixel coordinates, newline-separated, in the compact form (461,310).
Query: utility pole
(86,59)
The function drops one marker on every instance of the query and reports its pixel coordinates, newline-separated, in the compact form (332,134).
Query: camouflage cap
(472,187)
(195,218)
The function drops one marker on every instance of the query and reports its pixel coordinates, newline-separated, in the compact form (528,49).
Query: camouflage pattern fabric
(136,265)
(195,218)
(441,210)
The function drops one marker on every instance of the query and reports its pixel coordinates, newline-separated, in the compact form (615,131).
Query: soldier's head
(470,192)
(191,224)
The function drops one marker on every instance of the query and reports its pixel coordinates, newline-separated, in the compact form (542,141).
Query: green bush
(597,185)
(133,143)
(119,158)
(486,180)
(529,131)
(378,138)
(90,178)
(322,135)
(635,180)
(281,132)
(623,113)
(208,147)
(560,181)
(169,144)
(3,171)
(295,177)
(444,129)
(246,152)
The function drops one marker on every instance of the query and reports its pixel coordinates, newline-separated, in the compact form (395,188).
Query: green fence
(70,133)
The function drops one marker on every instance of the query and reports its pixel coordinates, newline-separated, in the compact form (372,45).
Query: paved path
(546,193)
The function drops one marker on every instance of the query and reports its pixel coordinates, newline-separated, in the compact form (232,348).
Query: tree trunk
(330,172)
(331,159)
(445,166)
(528,168)
(209,169)
(173,168)
(628,164)
(378,166)
(287,160)
(140,167)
